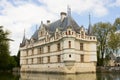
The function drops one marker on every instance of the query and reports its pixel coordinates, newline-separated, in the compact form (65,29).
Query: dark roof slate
(35,35)
(63,25)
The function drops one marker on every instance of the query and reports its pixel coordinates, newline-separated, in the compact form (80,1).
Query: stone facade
(61,46)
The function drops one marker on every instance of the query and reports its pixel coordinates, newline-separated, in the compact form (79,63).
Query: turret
(23,41)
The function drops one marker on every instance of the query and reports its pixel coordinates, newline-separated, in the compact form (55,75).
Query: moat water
(39,76)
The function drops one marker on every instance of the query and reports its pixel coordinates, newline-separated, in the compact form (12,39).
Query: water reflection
(8,76)
(89,76)
(108,76)
(36,76)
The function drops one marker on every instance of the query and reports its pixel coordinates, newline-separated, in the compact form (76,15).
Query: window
(42,50)
(41,33)
(69,33)
(81,46)
(69,55)
(32,61)
(82,58)
(58,46)
(58,58)
(40,60)
(27,53)
(48,59)
(66,32)
(39,50)
(32,51)
(48,48)
(90,38)
(26,61)
(69,44)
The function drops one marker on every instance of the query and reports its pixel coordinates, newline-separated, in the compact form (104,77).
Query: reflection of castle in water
(38,76)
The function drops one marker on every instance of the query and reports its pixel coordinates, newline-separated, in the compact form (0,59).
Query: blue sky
(17,15)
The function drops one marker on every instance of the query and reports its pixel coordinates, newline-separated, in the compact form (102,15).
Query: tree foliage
(114,42)
(117,23)
(5,59)
(101,31)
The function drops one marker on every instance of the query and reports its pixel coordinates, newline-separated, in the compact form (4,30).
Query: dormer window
(82,34)
(69,32)
(66,32)
(57,35)
(72,33)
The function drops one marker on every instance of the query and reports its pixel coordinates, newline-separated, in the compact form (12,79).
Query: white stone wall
(69,56)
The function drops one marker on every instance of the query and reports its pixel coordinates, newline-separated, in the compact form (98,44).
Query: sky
(19,15)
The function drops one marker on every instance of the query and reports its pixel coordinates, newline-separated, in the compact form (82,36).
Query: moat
(40,76)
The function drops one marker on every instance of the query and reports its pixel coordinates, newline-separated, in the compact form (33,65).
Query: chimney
(63,15)
(48,22)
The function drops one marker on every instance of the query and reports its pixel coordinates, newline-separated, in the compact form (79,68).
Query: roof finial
(89,27)
(41,24)
(68,10)
(36,27)
(89,19)
(24,33)
(23,41)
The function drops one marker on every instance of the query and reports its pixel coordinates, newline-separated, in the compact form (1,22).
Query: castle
(61,46)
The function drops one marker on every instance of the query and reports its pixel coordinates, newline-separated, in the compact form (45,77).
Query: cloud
(17,15)
(116,3)
(16,19)
(97,7)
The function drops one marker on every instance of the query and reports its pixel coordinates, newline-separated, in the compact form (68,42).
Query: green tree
(114,42)
(12,62)
(18,59)
(117,23)
(4,49)
(101,31)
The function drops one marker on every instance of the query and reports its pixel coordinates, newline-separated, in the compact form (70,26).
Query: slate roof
(23,41)
(35,35)
(68,21)
(61,25)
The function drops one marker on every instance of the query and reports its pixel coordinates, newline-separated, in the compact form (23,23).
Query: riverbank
(99,69)
(109,69)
